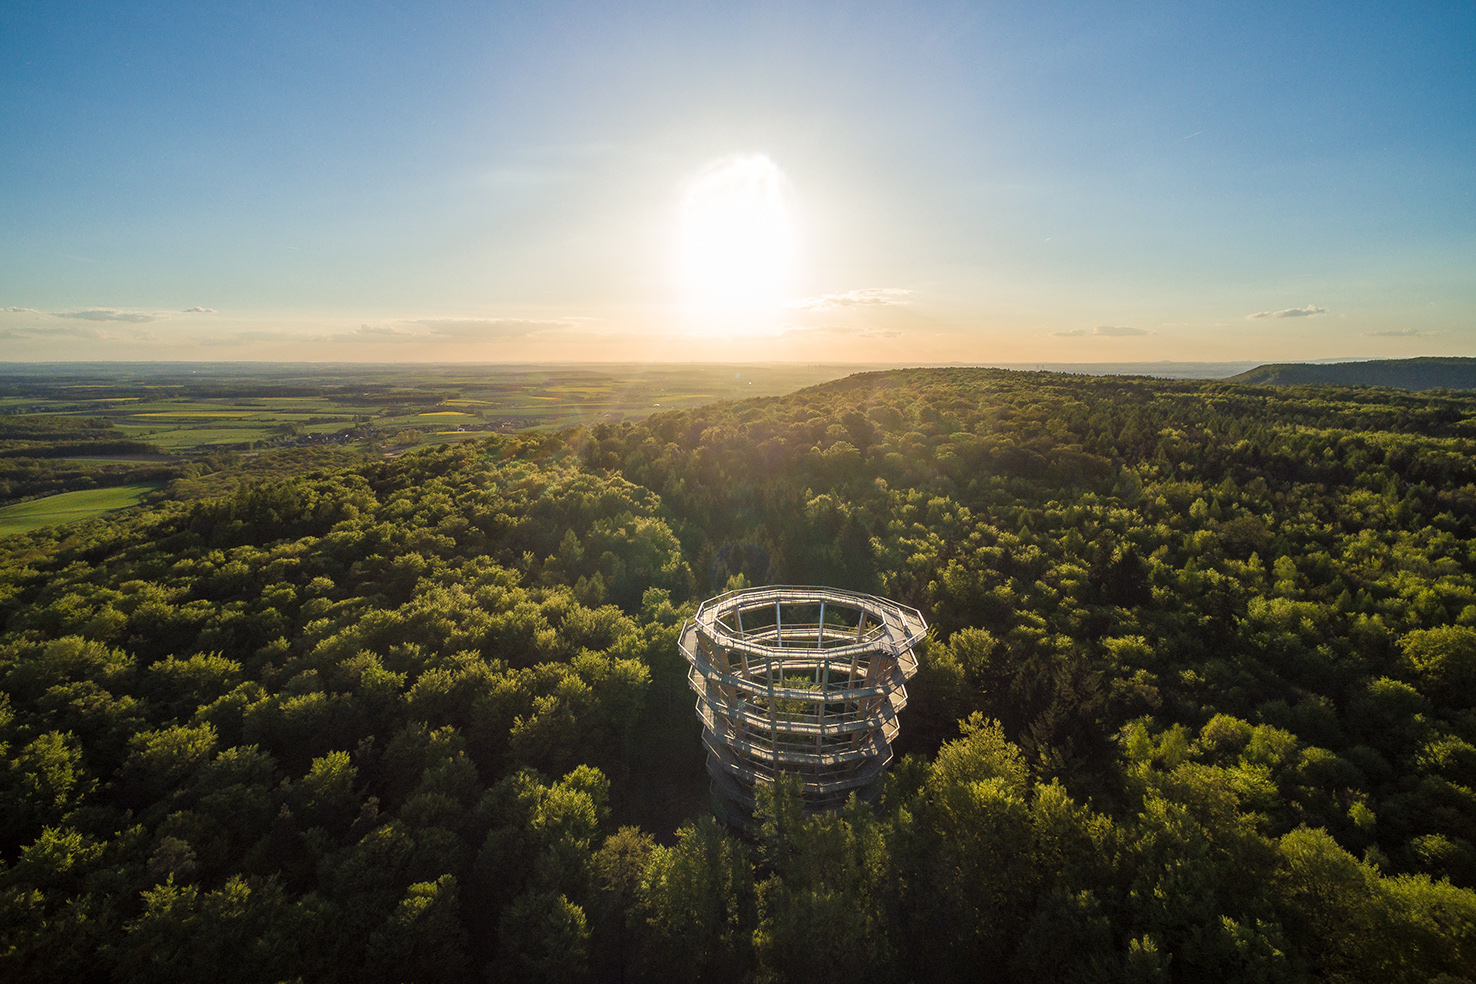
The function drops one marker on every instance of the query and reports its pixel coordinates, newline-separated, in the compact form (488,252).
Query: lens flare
(736,245)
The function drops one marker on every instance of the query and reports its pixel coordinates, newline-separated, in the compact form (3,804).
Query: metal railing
(815,694)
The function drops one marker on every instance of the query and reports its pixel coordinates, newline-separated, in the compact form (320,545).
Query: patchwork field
(66,427)
(182,408)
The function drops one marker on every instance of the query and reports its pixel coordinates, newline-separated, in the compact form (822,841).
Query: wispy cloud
(848,331)
(440,330)
(489,327)
(1103,331)
(852,298)
(1397,333)
(378,331)
(199,310)
(106,314)
(21,310)
(69,331)
(1301,312)
(245,337)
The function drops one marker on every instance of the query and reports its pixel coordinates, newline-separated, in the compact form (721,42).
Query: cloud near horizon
(106,314)
(788,330)
(1301,312)
(489,328)
(851,298)
(377,331)
(68,331)
(437,330)
(199,310)
(246,337)
(1102,331)
(1397,333)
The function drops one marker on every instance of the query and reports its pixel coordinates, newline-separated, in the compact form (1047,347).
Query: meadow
(69,507)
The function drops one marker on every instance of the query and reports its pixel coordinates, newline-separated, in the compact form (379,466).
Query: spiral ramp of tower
(804,681)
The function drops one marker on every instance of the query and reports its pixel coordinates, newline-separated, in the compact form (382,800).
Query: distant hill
(1410,374)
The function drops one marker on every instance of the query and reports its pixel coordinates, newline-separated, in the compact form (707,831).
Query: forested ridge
(1428,372)
(1198,702)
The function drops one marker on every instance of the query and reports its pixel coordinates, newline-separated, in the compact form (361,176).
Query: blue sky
(965,182)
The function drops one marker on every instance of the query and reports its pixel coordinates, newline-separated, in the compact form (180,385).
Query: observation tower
(800,680)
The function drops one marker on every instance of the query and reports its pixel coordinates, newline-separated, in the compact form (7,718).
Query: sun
(736,239)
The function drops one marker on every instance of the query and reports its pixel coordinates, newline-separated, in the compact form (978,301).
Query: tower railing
(803,680)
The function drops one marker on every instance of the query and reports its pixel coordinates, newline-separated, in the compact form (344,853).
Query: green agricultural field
(120,459)
(196,414)
(68,507)
(452,437)
(194,411)
(189,438)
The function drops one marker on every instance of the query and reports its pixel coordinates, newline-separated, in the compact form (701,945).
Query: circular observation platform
(806,681)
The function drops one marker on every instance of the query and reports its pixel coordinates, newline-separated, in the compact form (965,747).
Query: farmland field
(68,507)
(187,407)
(69,427)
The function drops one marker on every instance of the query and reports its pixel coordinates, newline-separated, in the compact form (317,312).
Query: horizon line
(942,364)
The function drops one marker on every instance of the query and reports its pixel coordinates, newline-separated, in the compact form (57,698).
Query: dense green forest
(1428,372)
(1198,701)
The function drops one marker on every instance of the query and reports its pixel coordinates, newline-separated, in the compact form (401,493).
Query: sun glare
(736,245)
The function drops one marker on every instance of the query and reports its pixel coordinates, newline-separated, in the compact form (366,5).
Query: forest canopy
(1198,701)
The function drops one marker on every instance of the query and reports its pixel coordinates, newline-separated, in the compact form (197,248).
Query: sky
(840,182)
